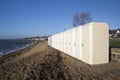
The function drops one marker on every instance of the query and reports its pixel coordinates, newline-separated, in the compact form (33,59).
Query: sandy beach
(42,62)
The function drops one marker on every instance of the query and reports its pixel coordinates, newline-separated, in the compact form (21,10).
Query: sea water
(11,45)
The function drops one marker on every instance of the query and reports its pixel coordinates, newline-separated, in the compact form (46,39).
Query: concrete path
(112,68)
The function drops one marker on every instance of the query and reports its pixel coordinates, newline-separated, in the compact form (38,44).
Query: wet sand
(42,62)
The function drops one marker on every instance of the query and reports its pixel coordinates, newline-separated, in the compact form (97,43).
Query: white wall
(100,43)
(89,42)
(85,43)
(78,42)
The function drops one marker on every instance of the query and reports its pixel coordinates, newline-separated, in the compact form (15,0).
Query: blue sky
(26,18)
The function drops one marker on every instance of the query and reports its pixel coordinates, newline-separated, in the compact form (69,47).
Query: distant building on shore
(41,38)
(114,33)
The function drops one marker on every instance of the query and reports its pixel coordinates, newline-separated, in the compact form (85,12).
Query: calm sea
(8,46)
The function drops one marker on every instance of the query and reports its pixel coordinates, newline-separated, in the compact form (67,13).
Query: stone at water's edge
(89,42)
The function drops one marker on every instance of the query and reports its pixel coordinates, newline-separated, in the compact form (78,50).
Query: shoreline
(15,53)
(19,44)
(14,50)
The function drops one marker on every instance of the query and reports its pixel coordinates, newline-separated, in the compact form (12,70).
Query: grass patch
(114,42)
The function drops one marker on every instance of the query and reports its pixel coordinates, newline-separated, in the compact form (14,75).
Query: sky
(27,18)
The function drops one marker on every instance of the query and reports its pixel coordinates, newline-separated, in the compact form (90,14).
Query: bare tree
(81,19)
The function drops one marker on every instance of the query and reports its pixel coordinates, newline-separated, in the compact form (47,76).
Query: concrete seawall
(89,42)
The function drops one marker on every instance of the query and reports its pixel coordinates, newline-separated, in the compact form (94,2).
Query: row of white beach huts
(88,43)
